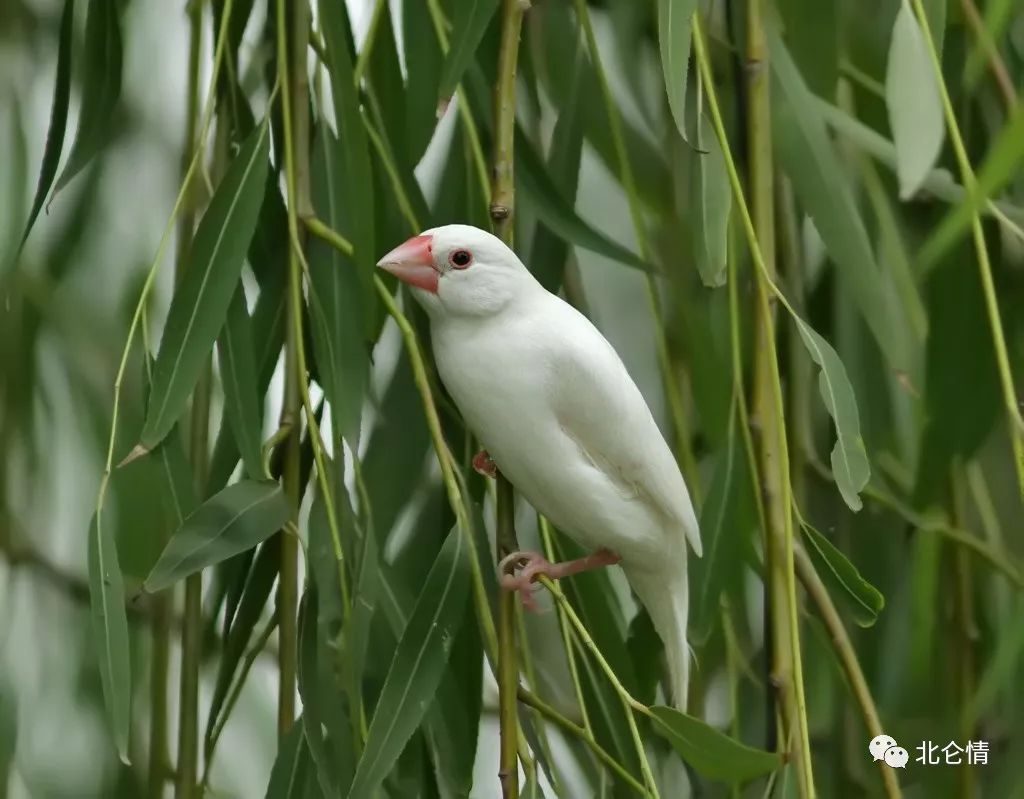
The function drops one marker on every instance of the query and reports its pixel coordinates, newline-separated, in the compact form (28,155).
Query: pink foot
(484,464)
(533,565)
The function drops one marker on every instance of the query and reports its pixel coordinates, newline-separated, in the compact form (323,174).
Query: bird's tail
(667,599)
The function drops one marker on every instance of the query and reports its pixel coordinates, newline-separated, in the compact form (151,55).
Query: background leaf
(912,97)
(808,159)
(711,196)
(239,517)
(238,375)
(58,116)
(110,631)
(850,465)
(856,593)
(200,304)
(101,89)
(417,665)
(710,752)
(674,41)
(471,18)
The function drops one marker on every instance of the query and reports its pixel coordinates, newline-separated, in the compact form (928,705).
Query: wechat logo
(885,748)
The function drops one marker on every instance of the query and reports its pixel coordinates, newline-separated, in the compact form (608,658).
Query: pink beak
(413,263)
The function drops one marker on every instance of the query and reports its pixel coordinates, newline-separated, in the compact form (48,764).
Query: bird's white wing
(599,406)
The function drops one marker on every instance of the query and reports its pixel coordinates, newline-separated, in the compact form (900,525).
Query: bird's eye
(460,259)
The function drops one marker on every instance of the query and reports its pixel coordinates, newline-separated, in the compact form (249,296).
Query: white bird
(559,415)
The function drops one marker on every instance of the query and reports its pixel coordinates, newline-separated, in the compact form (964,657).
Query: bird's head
(460,270)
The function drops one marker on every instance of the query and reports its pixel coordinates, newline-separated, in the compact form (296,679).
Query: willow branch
(848,659)
(502,209)
(785,580)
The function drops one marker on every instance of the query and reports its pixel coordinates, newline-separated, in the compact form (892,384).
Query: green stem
(848,659)
(1016,423)
(629,703)
(791,678)
(964,632)
(363,58)
(502,210)
(563,629)
(294,82)
(191,633)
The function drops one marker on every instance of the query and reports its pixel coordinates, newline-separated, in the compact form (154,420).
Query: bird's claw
(531,565)
(484,464)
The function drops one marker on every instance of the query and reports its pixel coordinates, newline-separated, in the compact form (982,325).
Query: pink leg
(483,464)
(534,565)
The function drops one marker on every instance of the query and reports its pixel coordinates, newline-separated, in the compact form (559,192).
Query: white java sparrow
(559,415)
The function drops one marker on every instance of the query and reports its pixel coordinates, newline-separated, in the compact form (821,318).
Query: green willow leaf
(292,772)
(471,18)
(8,729)
(418,665)
(424,59)
(311,686)
(550,251)
(58,116)
(255,595)
(558,34)
(850,465)
(725,519)
(110,630)
(711,196)
(238,376)
(236,519)
(201,302)
(558,214)
(674,26)
(861,597)
(351,207)
(336,298)
(808,158)
(101,89)
(712,753)
(915,107)
(1001,165)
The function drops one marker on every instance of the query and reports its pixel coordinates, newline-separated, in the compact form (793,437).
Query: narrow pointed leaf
(336,295)
(101,89)
(808,158)
(238,376)
(1001,165)
(110,630)
(418,665)
(864,601)
(915,107)
(674,26)
(238,518)
(200,304)
(558,213)
(424,60)
(711,198)
(350,181)
(58,116)
(725,522)
(292,771)
(471,18)
(712,753)
(8,729)
(310,688)
(550,252)
(850,465)
(255,596)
